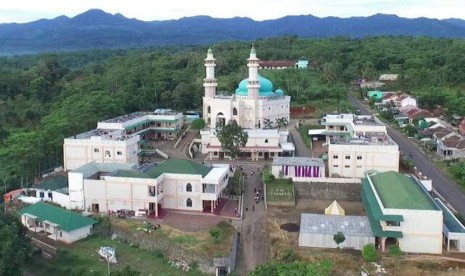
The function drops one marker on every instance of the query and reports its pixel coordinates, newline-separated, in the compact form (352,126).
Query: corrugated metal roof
(67,220)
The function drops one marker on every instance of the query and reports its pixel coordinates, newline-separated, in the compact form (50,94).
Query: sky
(148,10)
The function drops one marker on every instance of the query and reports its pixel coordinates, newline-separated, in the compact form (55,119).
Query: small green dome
(279,92)
(266,87)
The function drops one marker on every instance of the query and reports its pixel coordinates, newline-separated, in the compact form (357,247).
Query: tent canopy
(335,209)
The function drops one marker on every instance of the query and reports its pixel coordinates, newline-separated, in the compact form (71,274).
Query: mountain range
(98,29)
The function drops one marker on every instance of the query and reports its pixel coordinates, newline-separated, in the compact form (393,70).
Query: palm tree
(281,122)
(267,123)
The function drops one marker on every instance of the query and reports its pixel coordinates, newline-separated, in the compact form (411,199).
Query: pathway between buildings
(254,244)
(300,149)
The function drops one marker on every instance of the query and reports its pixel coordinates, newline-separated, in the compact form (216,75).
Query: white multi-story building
(174,184)
(116,140)
(254,105)
(402,213)
(358,143)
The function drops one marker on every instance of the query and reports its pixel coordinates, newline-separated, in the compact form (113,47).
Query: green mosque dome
(265,90)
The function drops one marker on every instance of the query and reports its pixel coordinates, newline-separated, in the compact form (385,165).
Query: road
(443,185)
(254,244)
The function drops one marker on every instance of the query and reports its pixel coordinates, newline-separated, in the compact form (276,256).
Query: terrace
(382,139)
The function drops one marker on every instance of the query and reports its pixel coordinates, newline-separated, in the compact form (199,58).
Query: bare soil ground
(348,261)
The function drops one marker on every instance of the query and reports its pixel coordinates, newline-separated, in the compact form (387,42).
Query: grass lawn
(83,259)
(280,190)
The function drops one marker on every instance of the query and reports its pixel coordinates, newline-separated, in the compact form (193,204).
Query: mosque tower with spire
(254,101)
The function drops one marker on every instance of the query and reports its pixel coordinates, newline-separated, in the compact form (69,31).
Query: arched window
(234,111)
(189,202)
(209,121)
(209,109)
(266,141)
(188,187)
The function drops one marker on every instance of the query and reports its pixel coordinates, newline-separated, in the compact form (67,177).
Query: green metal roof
(67,220)
(53,183)
(399,191)
(451,222)
(371,204)
(175,166)
(375,224)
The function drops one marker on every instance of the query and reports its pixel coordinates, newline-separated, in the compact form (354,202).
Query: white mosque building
(254,105)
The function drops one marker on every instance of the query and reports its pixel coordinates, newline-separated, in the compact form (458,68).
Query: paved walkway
(301,149)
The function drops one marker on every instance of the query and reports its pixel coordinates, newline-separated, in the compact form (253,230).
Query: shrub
(215,233)
(369,253)
(394,251)
(339,238)
(288,256)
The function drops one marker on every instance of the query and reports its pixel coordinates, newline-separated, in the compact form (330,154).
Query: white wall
(381,158)
(327,241)
(422,231)
(75,235)
(76,190)
(78,152)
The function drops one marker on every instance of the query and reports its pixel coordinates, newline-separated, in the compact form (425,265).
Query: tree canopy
(232,137)
(14,245)
(45,98)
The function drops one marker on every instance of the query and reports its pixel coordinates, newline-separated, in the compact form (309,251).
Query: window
(266,141)
(335,166)
(341,128)
(119,152)
(96,150)
(234,111)
(347,166)
(41,195)
(50,195)
(189,202)
(335,157)
(107,153)
(215,153)
(189,187)
(359,166)
(359,157)
(209,109)
(347,157)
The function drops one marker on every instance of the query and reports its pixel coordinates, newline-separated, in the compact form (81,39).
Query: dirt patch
(299,112)
(290,227)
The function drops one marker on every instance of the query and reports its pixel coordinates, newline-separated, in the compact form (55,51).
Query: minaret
(209,83)
(253,84)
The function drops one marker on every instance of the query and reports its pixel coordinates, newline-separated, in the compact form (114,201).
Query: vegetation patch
(83,259)
(199,242)
(278,190)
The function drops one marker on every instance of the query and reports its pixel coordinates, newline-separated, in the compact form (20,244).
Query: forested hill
(97,29)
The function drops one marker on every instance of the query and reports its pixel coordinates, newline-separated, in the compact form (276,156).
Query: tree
(14,245)
(339,238)
(267,123)
(369,253)
(198,124)
(281,122)
(232,136)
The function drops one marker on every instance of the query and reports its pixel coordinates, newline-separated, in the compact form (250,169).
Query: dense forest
(45,98)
